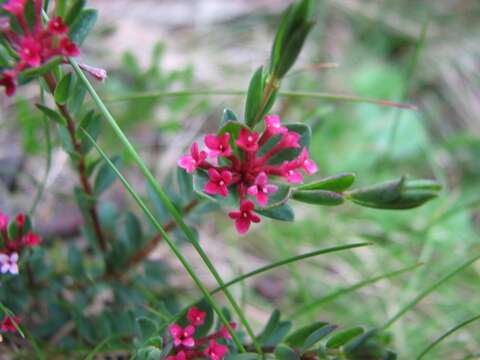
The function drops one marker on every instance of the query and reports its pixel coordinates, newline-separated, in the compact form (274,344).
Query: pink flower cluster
(237,165)
(37,43)
(12,247)
(188,347)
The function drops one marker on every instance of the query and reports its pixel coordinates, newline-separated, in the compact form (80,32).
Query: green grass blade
(445,335)
(169,241)
(164,198)
(334,295)
(99,347)
(234,92)
(271,267)
(428,290)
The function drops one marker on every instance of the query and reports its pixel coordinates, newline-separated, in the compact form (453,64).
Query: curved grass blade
(99,347)
(428,290)
(234,92)
(312,306)
(445,335)
(168,240)
(271,267)
(164,198)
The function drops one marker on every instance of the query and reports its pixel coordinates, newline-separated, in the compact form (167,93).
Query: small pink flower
(218,182)
(191,162)
(216,351)
(15,7)
(182,336)
(3,221)
(261,189)
(289,172)
(31,239)
(218,145)
(179,356)
(20,220)
(290,140)
(8,323)
(195,316)
(244,217)
(8,263)
(272,122)
(307,164)
(30,52)
(57,26)
(224,333)
(9,80)
(248,140)
(68,48)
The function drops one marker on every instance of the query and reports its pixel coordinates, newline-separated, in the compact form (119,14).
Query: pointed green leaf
(284,352)
(82,25)
(336,183)
(106,176)
(343,337)
(62,91)
(51,114)
(283,212)
(316,336)
(318,197)
(254,97)
(229,115)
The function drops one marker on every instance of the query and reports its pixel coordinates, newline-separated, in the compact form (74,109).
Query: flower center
(221,183)
(244,214)
(290,172)
(250,139)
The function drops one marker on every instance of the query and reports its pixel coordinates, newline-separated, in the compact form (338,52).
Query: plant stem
(81,166)
(163,196)
(171,244)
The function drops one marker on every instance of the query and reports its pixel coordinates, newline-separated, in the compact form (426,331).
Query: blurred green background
(372,49)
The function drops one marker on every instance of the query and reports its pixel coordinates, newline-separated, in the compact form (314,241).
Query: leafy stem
(81,164)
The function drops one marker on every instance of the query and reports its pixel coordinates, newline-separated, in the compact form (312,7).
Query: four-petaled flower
(30,52)
(182,336)
(307,164)
(191,162)
(290,140)
(179,356)
(224,333)
(8,323)
(289,172)
(248,140)
(8,263)
(261,189)
(244,217)
(57,26)
(218,145)
(195,316)
(218,182)
(216,351)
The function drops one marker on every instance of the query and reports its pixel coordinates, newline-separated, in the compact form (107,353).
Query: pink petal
(252,190)
(242,225)
(175,330)
(186,162)
(223,191)
(189,330)
(226,176)
(188,342)
(213,174)
(254,218)
(271,188)
(262,198)
(211,188)
(211,141)
(261,179)
(310,167)
(234,214)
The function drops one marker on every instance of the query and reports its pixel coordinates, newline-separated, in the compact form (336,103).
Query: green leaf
(185,184)
(283,352)
(77,97)
(244,356)
(133,230)
(74,11)
(270,326)
(40,70)
(318,197)
(254,97)
(396,194)
(92,124)
(51,114)
(62,91)
(106,176)
(283,212)
(229,115)
(336,183)
(82,25)
(298,337)
(316,336)
(147,327)
(343,337)
(66,141)
(279,334)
